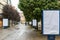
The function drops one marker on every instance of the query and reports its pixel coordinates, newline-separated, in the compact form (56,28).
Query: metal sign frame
(7,25)
(43,22)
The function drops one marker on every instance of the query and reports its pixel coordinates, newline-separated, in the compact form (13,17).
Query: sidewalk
(20,32)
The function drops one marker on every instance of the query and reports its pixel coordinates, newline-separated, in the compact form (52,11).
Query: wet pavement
(20,32)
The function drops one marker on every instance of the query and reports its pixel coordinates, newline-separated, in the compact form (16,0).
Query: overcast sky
(15,3)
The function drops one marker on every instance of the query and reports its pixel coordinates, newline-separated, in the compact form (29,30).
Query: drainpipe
(9,1)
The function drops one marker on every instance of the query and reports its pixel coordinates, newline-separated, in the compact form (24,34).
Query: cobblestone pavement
(20,32)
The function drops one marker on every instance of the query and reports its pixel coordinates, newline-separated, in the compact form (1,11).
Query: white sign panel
(51,22)
(34,22)
(5,22)
(30,23)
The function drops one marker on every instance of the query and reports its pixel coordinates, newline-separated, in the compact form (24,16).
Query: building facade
(2,3)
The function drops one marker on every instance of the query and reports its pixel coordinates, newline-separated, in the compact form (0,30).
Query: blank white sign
(34,22)
(5,22)
(51,22)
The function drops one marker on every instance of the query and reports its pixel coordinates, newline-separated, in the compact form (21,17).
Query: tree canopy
(33,8)
(11,13)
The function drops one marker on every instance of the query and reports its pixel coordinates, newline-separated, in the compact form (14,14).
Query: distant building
(2,3)
(22,17)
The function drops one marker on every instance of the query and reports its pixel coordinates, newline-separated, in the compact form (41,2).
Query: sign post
(51,37)
(50,23)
